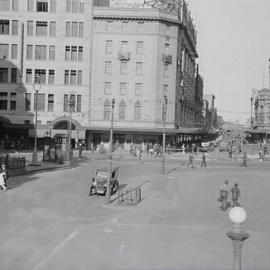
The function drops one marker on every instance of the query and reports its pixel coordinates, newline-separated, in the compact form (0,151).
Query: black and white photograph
(134,134)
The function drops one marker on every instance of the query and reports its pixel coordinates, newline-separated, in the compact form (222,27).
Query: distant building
(262,109)
(210,112)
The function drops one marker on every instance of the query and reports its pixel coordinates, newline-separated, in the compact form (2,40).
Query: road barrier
(13,162)
(130,196)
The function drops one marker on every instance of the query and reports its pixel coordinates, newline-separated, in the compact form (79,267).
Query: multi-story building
(210,112)
(44,49)
(143,50)
(262,109)
(65,56)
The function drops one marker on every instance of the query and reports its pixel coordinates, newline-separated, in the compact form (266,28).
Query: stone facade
(262,109)
(52,39)
(133,51)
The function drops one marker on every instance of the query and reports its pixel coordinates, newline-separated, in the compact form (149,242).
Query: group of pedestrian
(224,196)
(3,176)
(191,159)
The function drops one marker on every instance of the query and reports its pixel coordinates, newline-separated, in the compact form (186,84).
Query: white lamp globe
(238,215)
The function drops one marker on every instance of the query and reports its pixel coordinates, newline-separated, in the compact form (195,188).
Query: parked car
(99,184)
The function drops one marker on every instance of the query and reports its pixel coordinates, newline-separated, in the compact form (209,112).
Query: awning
(41,133)
(156,131)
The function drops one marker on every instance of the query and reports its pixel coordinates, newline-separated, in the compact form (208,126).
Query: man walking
(244,162)
(235,195)
(203,160)
(190,161)
(223,196)
(3,177)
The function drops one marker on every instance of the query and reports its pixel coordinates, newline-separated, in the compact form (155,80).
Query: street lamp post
(108,190)
(36,88)
(163,170)
(237,215)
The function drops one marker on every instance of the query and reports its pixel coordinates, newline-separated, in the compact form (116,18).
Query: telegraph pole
(164,112)
(108,190)
(37,87)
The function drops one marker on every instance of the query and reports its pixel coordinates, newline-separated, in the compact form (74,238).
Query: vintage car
(99,184)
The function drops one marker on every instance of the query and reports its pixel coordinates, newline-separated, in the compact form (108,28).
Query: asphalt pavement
(48,221)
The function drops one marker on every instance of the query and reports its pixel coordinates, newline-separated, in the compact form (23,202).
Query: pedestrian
(235,195)
(230,152)
(203,160)
(260,156)
(244,160)
(223,196)
(80,150)
(3,176)
(190,161)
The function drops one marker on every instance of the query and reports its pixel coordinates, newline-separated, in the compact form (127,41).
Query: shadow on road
(15,182)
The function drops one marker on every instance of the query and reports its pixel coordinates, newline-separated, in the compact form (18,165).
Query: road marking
(60,246)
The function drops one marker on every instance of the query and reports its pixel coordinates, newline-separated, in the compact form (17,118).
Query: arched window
(107,110)
(137,111)
(122,110)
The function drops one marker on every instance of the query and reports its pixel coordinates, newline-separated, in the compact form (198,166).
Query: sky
(233,44)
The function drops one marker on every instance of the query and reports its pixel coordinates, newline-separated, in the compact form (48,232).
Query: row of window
(139,47)
(76,101)
(124,47)
(75,6)
(8,101)
(7,5)
(74,29)
(43,76)
(5,49)
(41,102)
(8,75)
(74,53)
(41,52)
(124,68)
(7,27)
(41,6)
(41,28)
(126,26)
(122,110)
(123,88)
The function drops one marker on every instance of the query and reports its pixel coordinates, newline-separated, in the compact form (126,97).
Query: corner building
(141,52)
(46,42)
(80,54)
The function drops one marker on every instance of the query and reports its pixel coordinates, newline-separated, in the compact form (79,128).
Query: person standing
(244,160)
(223,196)
(4,176)
(260,156)
(235,195)
(80,150)
(190,161)
(203,160)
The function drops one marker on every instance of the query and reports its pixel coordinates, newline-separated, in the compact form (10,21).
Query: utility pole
(108,190)
(269,75)
(164,112)
(36,88)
